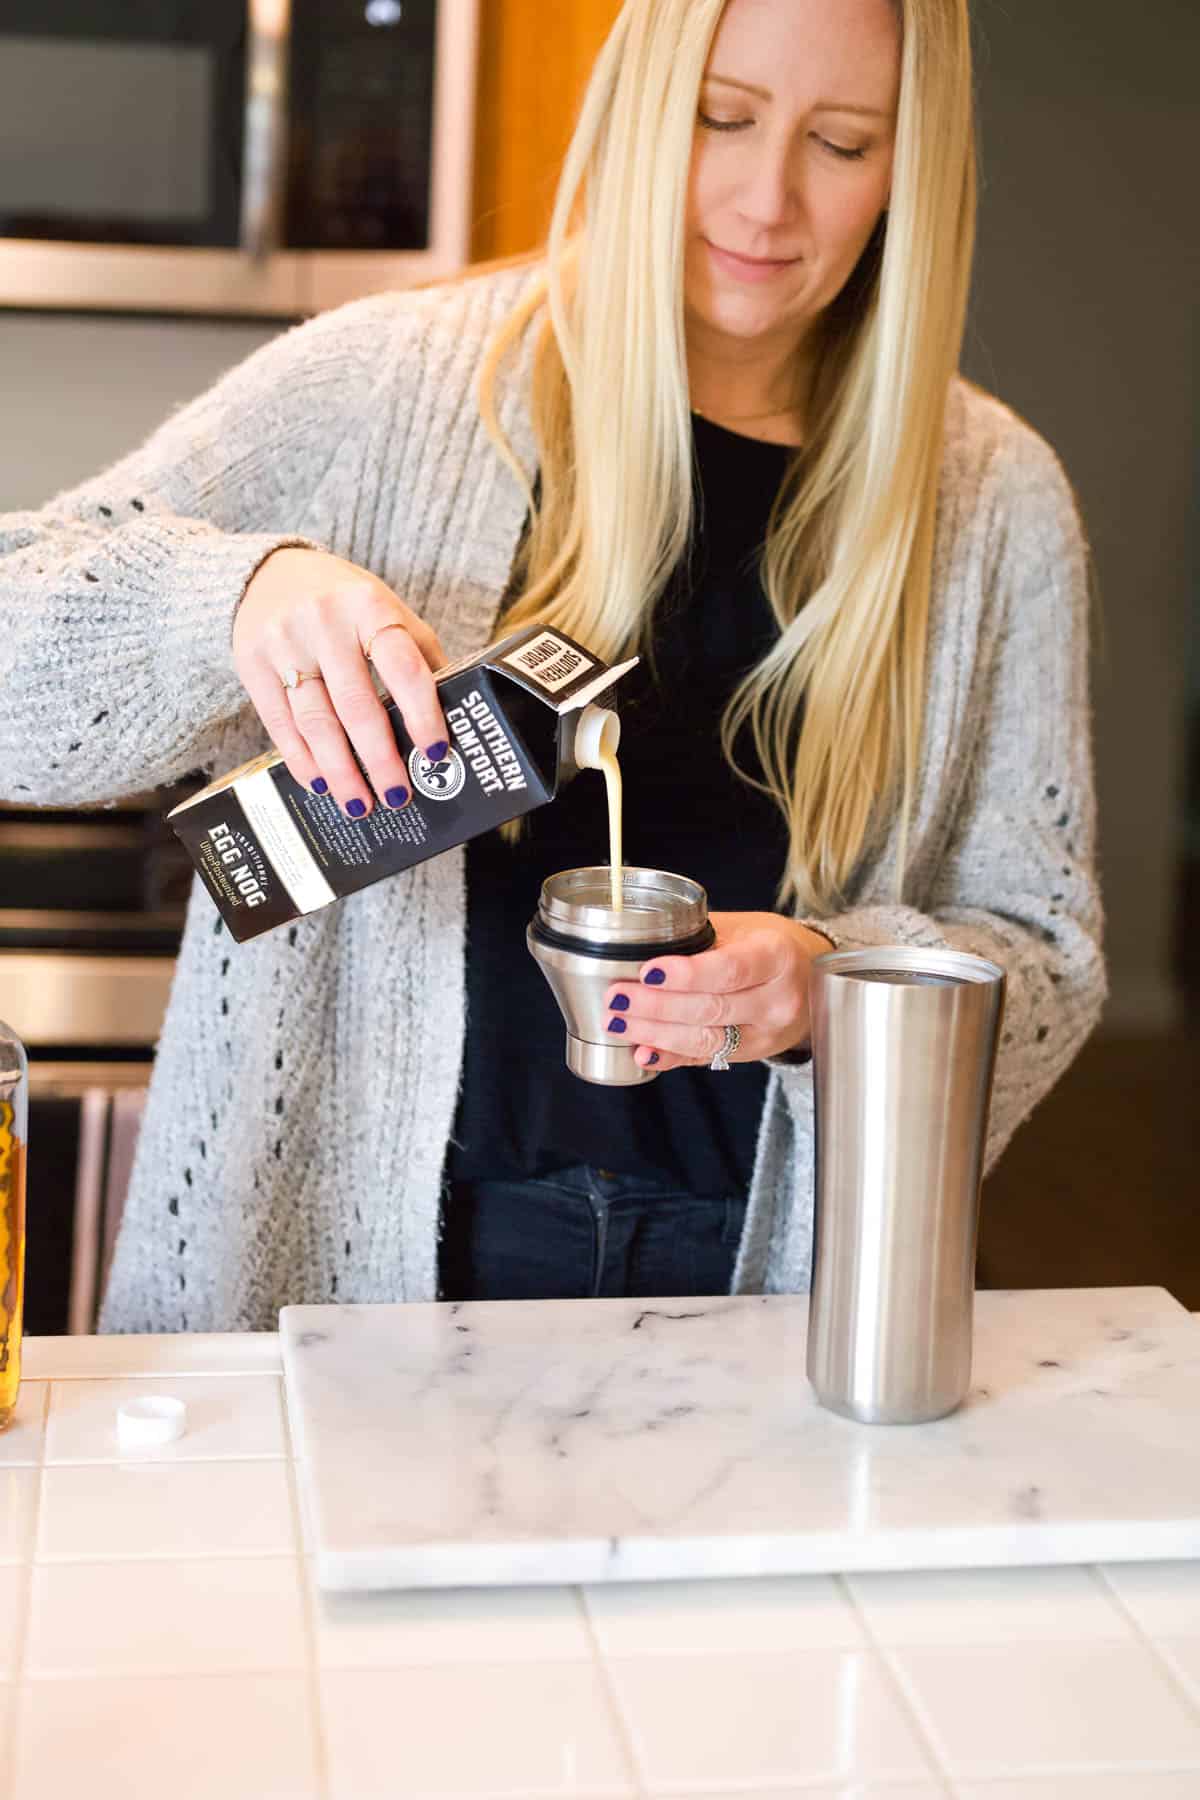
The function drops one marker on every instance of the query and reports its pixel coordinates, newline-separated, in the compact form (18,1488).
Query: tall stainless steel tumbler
(582,943)
(904,1048)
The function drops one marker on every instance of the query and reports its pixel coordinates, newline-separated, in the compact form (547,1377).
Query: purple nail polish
(655,978)
(617,1025)
(320,785)
(653,1057)
(620,1003)
(356,808)
(437,751)
(396,796)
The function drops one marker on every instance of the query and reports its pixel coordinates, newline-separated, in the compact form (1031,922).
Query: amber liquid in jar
(12,1257)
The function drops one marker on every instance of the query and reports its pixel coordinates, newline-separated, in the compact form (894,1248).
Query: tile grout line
(9,1759)
(1181,1685)
(132,1460)
(150,1375)
(139,1558)
(611,1693)
(304,1576)
(908,1704)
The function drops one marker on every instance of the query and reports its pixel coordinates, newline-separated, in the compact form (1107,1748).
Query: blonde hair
(847,564)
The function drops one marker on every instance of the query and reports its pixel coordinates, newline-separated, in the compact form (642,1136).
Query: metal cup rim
(959,965)
(682,908)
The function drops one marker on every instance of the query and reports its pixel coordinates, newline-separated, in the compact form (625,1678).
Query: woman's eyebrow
(840,106)
(746,86)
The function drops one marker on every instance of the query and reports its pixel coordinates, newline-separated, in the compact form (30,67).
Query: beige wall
(1083,318)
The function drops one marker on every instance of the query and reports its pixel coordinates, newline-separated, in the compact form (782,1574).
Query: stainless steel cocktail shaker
(582,943)
(904,1046)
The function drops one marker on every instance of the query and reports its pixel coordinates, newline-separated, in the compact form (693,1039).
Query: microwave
(242,157)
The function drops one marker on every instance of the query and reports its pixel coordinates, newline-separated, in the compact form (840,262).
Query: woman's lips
(749,268)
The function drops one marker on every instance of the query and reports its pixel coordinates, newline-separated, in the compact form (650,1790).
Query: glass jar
(14,1114)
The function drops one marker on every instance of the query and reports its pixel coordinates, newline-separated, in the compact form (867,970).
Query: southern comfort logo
(437,780)
(550,662)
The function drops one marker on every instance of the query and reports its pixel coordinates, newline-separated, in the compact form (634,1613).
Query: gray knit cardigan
(306,1083)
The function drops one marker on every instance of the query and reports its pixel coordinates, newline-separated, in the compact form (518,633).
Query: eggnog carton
(269,850)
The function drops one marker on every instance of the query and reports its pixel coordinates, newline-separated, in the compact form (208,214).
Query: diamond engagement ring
(292,678)
(733,1038)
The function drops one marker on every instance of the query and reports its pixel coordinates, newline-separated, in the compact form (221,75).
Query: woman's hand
(755,977)
(308,614)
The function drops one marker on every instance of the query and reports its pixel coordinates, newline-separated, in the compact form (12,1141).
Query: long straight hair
(835,707)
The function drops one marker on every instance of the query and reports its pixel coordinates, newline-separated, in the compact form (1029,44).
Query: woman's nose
(769,193)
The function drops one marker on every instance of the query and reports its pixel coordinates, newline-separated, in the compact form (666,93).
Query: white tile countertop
(161,1639)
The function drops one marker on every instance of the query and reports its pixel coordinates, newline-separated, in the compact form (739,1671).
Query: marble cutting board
(605,1440)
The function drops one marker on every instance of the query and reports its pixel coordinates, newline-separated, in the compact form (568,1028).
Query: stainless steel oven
(235,156)
(91,911)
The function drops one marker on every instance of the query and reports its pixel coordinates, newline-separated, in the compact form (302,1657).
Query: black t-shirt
(521,1112)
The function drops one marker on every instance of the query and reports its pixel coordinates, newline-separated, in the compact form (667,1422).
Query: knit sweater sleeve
(117,598)
(1017,882)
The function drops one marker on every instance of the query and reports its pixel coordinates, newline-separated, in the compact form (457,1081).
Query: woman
(745,331)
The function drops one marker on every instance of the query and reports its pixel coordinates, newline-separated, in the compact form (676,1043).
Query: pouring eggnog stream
(596,746)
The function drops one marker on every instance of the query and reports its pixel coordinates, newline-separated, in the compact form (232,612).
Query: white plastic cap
(156,1419)
(598,731)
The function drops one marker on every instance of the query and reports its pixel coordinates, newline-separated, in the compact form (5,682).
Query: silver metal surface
(904,1045)
(264,144)
(51,998)
(658,908)
(43,836)
(43,273)
(655,907)
(71,1080)
(578,983)
(110,1120)
(34,919)
(607,1065)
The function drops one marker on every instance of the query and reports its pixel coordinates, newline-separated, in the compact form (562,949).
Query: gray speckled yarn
(306,1082)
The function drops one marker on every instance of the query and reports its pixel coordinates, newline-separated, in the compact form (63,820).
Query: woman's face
(791,166)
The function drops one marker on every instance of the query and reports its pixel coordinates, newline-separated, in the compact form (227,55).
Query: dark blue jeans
(581,1233)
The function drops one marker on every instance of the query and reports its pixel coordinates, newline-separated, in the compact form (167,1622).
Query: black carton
(268,850)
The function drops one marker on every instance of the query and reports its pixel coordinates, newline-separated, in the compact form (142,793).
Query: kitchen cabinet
(534,62)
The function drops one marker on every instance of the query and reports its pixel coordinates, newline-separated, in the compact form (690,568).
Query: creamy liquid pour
(612,781)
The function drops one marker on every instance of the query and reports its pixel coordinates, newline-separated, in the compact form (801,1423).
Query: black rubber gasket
(704,939)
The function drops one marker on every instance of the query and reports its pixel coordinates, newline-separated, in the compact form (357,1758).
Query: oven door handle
(89,1209)
(264,138)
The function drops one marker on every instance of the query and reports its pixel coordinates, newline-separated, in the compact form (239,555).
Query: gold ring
(392,625)
(292,678)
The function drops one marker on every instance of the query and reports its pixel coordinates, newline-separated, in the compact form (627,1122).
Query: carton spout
(597,735)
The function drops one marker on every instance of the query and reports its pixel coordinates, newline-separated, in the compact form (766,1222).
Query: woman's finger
(661,1060)
(651,1005)
(321,728)
(379,610)
(687,1043)
(269,697)
(755,951)
(361,713)
(401,661)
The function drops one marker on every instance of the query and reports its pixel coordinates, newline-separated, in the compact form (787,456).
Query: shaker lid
(657,907)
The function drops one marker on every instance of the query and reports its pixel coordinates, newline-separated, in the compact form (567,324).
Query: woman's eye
(846,154)
(722,124)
